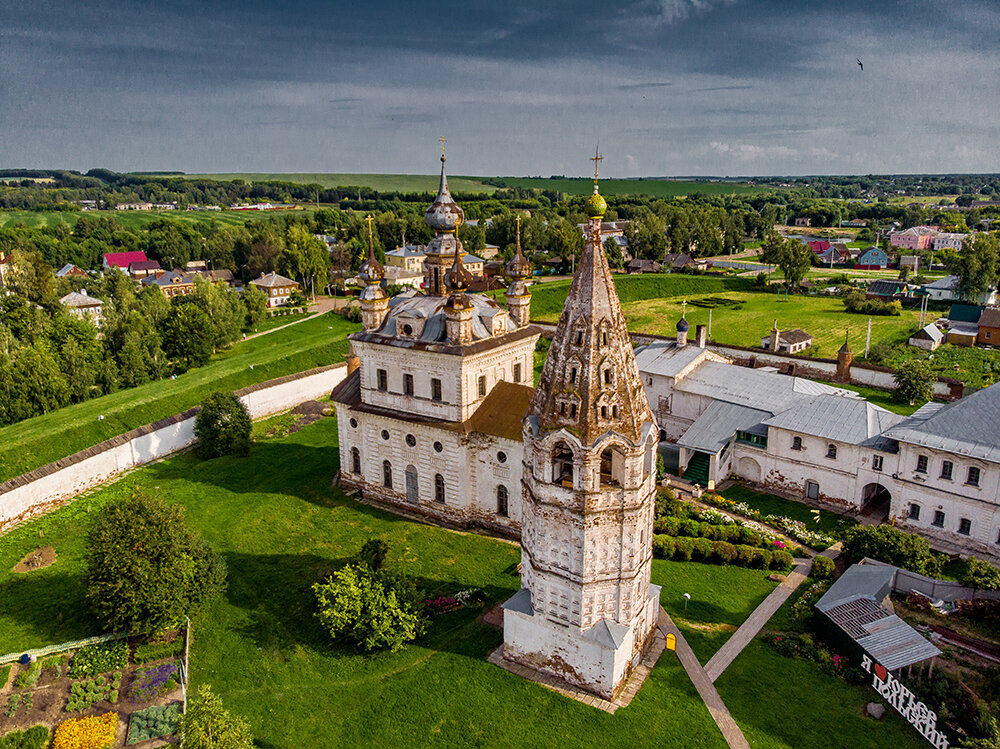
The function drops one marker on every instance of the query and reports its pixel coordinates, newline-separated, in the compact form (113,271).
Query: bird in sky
(861,64)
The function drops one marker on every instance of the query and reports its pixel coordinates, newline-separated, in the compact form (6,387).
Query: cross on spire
(371,242)
(443,141)
(684,305)
(596,158)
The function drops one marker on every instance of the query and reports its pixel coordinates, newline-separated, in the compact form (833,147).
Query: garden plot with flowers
(125,691)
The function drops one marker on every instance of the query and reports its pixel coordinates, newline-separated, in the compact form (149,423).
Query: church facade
(430,413)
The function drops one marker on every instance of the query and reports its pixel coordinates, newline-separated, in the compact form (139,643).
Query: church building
(586,609)
(430,414)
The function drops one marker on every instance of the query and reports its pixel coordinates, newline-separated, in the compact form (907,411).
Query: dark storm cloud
(667,86)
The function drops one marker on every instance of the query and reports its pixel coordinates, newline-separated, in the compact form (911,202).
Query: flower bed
(793,645)
(441,604)
(153,723)
(686,549)
(99,659)
(93,732)
(153,682)
(714,526)
(85,694)
(794,528)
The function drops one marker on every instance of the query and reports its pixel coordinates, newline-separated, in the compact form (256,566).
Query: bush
(36,737)
(157,651)
(689,528)
(702,550)
(914,382)
(761,559)
(981,575)
(781,560)
(153,723)
(892,546)
(223,426)
(822,568)
(744,556)
(207,725)
(667,503)
(669,525)
(146,569)
(373,609)
(374,552)
(663,546)
(724,552)
(709,531)
(749,536)
(683,548)
(93,732)
(101,658)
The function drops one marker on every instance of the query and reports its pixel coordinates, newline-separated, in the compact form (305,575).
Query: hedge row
(719,552)
(733,534)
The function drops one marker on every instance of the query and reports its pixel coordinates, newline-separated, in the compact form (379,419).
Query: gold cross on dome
(596,158)
(684,306)
(369,220)
(443,141)
(518,220)
(371,242)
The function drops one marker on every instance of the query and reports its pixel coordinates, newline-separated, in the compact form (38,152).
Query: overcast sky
(668,87)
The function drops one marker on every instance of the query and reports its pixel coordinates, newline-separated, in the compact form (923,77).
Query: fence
(62,647)
(904,581)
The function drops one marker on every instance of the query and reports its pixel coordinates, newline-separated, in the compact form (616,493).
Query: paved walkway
(761,615)
(706,690)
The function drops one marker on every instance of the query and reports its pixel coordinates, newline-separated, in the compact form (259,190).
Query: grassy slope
(35,442)
(721,599)
(132,219)
(383,182)
(263,651)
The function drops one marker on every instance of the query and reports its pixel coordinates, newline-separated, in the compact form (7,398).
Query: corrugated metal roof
(835,418)
(666,358)
(716,426)
(966,427)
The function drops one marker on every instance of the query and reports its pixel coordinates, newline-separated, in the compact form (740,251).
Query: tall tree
(977,266)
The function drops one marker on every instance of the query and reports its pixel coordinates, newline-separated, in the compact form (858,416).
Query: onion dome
(683,326)
(458,277)
(444,213)
(596,206)
(518,268)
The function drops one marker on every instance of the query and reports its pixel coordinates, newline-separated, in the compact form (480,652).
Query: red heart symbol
(880,671)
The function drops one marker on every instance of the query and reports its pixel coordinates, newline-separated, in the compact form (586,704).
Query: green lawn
(280,526)
(382,182)
(657,188)
(280,321)
(132,219)
(43,439)
(722,597)
(878,397)
(768,504)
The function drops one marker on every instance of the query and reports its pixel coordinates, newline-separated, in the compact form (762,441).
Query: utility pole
(868,338)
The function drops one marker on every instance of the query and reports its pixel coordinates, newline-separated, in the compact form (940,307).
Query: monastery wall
(39,491)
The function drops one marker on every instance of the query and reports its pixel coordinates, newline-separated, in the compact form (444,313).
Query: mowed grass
(769,504)
(281,526)
(133,219)
(722,598)
(32,443)
(656,188)
(405,183)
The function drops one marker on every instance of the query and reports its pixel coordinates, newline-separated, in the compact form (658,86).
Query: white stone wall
(29,496)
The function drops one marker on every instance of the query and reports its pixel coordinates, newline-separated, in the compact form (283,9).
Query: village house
(835,254)
(855,223)
(786,341)
(914,238)
(886,289)
(641,265)
(928,337)
(79,304)
(71,271)
(396,276)
(803,221)
(943,289)
(948,240)
(489,251)
(871,258)
(172,283)
(144,268)
(989,327)
(410,257)
(277,288)
(122,260)
(963,324)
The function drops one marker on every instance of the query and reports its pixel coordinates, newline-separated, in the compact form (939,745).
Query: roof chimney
(701,336)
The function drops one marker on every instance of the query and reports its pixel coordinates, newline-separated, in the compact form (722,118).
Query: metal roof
(965,427)
(716,426)
(932,331)
(836,418)
(666,359)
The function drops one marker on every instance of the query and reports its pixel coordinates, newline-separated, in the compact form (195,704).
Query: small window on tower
(572,411)
(604,412)
(482,386)
(572,375)
(579,338)
(383,380)
(435,389)
(517,371)
(408,384)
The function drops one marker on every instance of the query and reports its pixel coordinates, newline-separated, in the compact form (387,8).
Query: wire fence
(62,647)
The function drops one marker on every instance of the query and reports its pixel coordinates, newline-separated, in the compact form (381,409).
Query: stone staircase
(697,469)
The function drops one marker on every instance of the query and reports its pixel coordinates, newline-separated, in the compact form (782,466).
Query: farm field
(134,219)
(32,443)
(656,188)
(382,182)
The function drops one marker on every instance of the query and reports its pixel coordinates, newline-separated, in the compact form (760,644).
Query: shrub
(749,536)
(744,555)
(373,609)
(892,546)
(207,725)
(781,560)
(689,528)
(223,426)
(707,530)
(146,569)
(374,552)
(761,559)
(822,568)
(36,737)
(669,525)
(914,382)
(153,723)
(667,503)
(93,732)
(702,549)
(157,651)
(663,546)
(724,551)
(981,575)
(99,659)
(683,548)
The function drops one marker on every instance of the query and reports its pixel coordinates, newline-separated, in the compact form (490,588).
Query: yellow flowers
(95,732)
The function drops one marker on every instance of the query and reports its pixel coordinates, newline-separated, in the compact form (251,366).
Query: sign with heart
(905,703)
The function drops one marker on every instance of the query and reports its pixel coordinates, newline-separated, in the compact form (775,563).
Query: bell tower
(444,216)
(518,295)
(374,300)
(586,609)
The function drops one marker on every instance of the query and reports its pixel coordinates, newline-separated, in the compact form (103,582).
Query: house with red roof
(122,260)
(819,246)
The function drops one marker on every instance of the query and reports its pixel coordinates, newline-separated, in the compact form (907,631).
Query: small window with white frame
(972,478)
(946,469)
(877,462)
(965,526)
(914,513)
(921,464)
(831,451)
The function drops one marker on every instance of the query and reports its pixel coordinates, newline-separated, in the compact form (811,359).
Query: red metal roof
(122,259)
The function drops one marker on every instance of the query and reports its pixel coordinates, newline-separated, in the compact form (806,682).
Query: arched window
(612,467)
(502,501)
(831,451)
(439,488)
(355,460)
(796,443)
(386,474)
(562,464)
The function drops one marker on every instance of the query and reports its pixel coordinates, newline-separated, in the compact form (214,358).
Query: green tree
(646,236)
(914,382)
(146,569)
(370,608)
(980,574)
(255,306)
(188,334)
(223,426)
(304,258)
(890,545)
(616,259)
(977,266)
(208,725)
(790,255)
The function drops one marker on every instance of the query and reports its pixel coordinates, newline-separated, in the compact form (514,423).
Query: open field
(382,182)
(656,188)
(134,219)
(29,444)
(265,654)
(721,599)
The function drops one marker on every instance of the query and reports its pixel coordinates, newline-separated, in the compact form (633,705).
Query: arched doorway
(750,470)
(412,492)
(875,501)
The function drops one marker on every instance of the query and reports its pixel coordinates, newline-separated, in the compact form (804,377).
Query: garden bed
(119,678)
